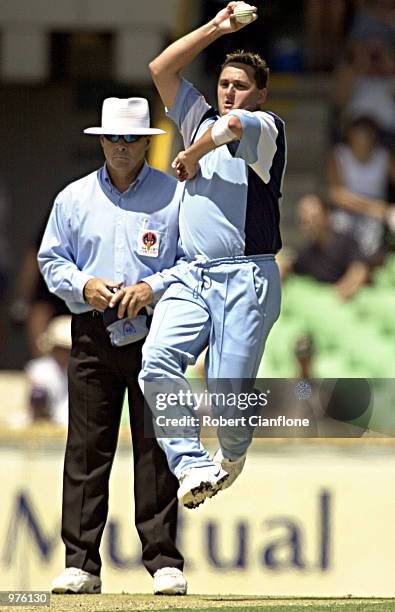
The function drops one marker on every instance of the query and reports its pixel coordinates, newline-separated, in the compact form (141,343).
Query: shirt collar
(133,186)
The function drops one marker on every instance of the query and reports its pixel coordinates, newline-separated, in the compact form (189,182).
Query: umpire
(107,231)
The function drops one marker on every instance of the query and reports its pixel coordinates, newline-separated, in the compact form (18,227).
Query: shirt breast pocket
(151,239)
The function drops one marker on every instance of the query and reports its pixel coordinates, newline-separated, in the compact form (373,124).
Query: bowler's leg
(178,334)
(251,307)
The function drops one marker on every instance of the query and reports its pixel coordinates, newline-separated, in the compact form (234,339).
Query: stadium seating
(352,339)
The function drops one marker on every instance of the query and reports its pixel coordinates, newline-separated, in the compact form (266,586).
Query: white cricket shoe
(74,580)
(233,468)
(169,581)
(197,484)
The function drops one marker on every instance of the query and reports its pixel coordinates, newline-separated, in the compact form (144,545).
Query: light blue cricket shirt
(231,207)
(96,231)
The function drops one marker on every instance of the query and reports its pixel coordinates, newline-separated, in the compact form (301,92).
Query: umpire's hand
(97,292)
(132,299)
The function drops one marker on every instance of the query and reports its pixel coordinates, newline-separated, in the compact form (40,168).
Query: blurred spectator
(331,404)
(346,408)
(329,257)
(365,85)
(33,305)
(304,352)
(47,375)
(374,20)
(360,171)
(325,26)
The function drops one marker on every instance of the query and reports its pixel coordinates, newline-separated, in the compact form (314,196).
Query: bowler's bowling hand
(186,166)
(225,21)
(132,299)
(97,292)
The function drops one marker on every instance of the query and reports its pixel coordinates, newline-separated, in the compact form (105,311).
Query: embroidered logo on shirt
(148,243)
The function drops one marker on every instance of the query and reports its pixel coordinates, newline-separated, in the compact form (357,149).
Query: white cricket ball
(243,12)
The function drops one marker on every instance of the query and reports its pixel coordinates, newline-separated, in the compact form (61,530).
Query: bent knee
(161,360)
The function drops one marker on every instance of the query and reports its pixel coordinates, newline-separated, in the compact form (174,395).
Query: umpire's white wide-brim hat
(125,116)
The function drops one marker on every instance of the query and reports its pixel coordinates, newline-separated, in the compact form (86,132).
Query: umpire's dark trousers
(98,376)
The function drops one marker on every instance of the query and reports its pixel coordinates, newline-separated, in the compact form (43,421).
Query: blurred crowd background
(332,81)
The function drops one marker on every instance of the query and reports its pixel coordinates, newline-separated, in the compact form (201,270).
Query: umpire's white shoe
(233,468)
(74,580)
(197,484)
(169,581)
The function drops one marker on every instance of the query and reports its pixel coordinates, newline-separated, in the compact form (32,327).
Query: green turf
(347,606)
(127,602)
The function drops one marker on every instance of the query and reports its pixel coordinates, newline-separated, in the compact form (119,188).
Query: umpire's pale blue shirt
(95,231)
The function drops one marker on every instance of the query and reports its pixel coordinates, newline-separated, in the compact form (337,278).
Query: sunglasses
(128,138)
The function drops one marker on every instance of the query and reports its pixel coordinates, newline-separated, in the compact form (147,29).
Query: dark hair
(363,122)
(260,67)
(326,206)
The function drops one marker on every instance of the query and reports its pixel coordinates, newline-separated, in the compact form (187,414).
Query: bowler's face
(123,157)
(237,89)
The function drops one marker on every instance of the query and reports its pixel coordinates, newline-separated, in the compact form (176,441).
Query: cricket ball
(244,13)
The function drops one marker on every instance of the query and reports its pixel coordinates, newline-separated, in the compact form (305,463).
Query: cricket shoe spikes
(198,484)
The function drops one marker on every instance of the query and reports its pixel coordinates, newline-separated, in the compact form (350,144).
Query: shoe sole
(197,495)
(170,592)
(65,591)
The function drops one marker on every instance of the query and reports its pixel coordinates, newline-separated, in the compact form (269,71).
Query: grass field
(232,603)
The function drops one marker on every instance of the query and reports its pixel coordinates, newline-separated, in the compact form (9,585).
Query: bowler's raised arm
(166,68)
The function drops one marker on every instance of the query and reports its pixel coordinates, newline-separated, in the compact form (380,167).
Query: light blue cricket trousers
(229,305)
